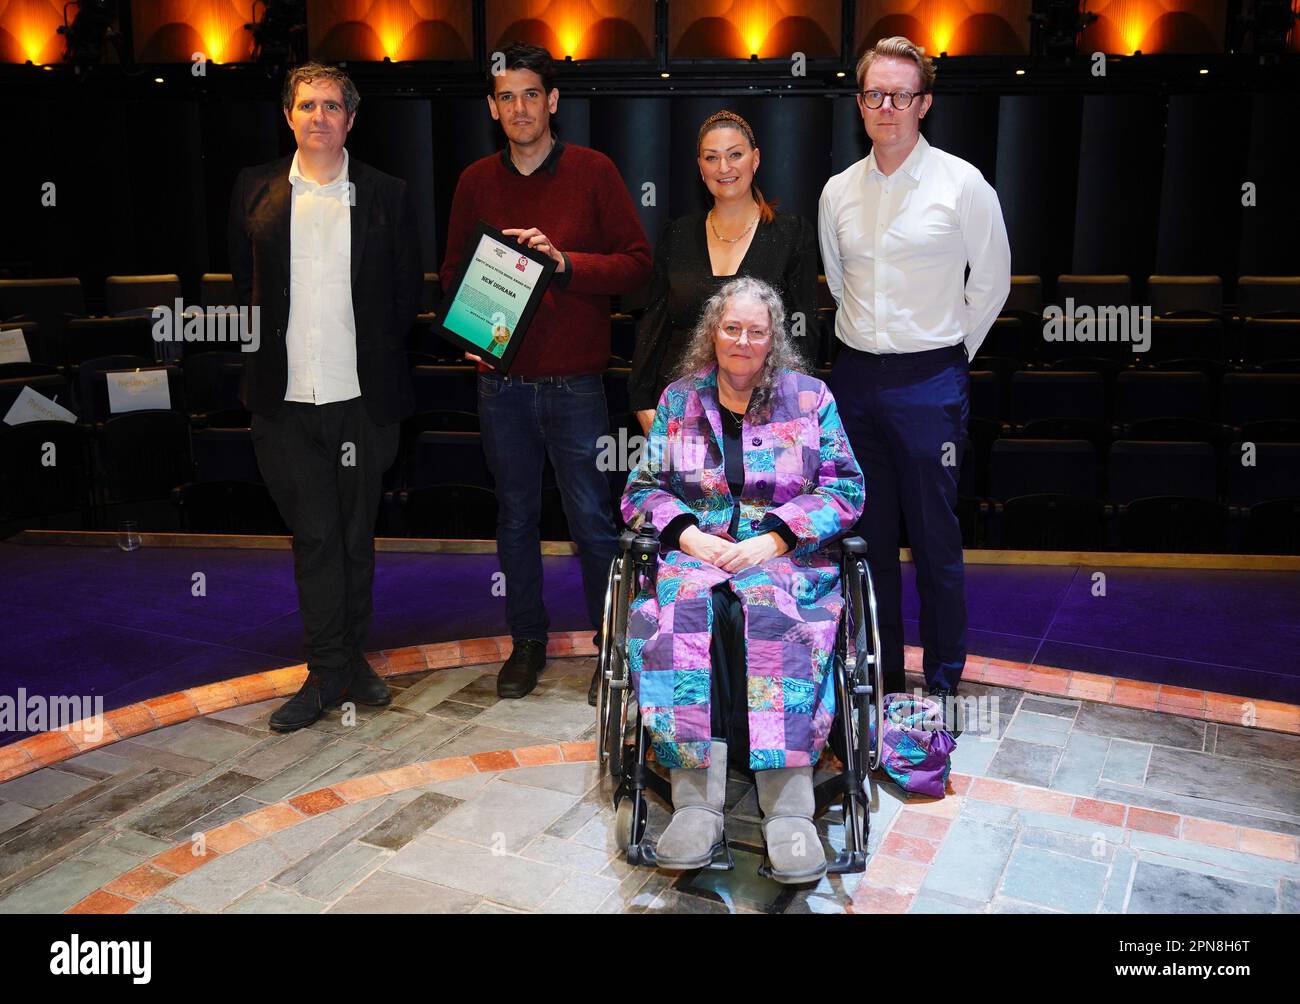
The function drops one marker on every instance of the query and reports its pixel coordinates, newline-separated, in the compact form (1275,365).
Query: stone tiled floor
(1061,805)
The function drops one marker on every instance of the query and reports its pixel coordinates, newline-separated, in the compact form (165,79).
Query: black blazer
(387,279)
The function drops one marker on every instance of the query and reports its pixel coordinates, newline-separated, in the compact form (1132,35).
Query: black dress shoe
(951,706)
(367,686)
(593,692)
(317,693)
(518,674)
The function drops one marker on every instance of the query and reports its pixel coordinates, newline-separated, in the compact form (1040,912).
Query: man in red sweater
(570,203)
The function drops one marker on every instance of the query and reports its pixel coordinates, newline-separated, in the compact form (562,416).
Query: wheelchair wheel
(623,835)
(616,685)
(603,662)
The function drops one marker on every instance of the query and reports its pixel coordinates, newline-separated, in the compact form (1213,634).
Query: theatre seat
(217,289)
(1270,339)
(32,487)
(454,511)
(228,507)
(1185,338)
(440,388)
(92,337)
(143,455)
(212,381)
(224,455)
(443,458)
(1255,397)
(128,293)
(1183,293)
(1043,495)
(1142,394)
(1267,294)
(1094,290)
(47,381)
(1166,496)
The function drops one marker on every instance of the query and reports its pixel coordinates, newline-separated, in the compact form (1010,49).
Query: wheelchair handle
(854,545)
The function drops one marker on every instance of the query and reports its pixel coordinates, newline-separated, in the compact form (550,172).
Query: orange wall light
(29,31)
(171,31)
(580,29)
(957,27)
(738,29)
(1163,26)
(373,30)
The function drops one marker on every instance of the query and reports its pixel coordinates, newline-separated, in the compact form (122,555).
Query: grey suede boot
(693,839)
(794,849)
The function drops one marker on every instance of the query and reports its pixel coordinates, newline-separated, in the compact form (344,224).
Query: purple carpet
(95,621)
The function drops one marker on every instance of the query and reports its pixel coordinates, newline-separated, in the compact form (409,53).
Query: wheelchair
(856,734)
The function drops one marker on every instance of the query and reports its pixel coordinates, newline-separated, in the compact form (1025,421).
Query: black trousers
(323,465)
(729,693)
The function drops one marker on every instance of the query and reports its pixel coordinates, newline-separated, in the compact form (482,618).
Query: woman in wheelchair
(747,473)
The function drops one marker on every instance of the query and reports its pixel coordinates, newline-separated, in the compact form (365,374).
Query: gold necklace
(731,240)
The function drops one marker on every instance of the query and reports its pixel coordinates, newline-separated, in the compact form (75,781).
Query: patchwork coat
(799,468)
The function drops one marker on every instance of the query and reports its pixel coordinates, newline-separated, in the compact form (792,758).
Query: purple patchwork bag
(916,752)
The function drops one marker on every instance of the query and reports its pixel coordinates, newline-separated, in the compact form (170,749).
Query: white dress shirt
(896,248)
(321,338)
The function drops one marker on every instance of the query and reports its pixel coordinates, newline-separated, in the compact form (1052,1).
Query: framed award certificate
(501,284)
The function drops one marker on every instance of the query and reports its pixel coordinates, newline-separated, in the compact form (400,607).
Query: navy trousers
(905,415)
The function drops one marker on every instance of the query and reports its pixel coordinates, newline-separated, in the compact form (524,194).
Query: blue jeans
(900,413)
(522,421)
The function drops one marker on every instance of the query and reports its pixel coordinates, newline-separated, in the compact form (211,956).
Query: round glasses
(732,333)
(899,99)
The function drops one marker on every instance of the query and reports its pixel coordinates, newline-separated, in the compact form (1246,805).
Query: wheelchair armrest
(853,545)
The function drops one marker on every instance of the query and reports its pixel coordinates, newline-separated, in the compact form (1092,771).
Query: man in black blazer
(326,249)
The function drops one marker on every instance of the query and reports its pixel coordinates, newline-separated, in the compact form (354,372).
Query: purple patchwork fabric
(798,467)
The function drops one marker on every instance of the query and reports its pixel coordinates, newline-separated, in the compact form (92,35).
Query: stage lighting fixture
(1270,22)
(1057,25)
(90,29)
(280,34)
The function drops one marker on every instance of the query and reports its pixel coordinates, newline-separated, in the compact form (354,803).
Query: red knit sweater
(585,209)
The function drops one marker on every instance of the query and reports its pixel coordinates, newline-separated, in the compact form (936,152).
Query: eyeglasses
(759,336)
(899,99)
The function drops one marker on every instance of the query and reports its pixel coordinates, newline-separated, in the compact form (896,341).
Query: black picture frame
(501,363)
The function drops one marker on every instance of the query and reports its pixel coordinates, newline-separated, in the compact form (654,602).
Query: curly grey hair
(701,352)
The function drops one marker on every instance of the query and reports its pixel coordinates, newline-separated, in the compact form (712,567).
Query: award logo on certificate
(500,286)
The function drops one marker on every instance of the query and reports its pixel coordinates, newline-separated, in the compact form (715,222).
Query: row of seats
(198,385)
(1256,295)
(1020,493)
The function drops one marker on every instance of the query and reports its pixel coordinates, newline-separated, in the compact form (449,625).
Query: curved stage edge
(48,748)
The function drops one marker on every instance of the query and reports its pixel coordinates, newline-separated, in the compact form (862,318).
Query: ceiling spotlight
(88,33)
(1020,73)
(665,74)
(1057,25)
(1204,71)
(280,35)
(158,80)
(840,73)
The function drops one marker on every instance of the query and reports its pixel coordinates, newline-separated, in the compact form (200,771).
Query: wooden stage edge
(405,545)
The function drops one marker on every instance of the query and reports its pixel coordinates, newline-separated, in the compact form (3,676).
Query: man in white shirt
(897,231)
(326,248)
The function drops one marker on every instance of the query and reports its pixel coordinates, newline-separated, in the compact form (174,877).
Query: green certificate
(500,286)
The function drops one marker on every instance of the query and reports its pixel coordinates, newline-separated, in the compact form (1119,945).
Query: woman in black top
(742,235)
